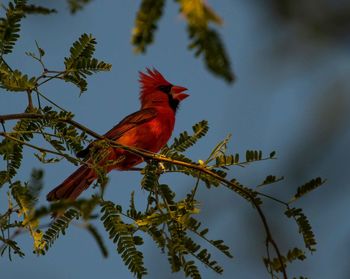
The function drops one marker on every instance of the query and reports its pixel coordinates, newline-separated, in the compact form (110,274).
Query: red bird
(149,128)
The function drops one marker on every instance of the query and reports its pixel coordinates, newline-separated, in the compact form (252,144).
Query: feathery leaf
(270,179)
(58,226)
(146,23)
(10,244)
(80,63)
(204,39)
(308,187)
(292,255)
(34,9)
(304,227)
(14,80)
(185,140)
(76,5)
(99,240)
(11,25)
(122,234)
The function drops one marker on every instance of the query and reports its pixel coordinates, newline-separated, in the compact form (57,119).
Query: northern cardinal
(149,128)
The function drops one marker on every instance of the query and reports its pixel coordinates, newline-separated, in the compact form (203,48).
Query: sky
(290,96)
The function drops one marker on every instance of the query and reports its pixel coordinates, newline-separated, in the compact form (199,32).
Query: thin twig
(6,135)
(7,65)
(50,101)
(49,78)
(272,198)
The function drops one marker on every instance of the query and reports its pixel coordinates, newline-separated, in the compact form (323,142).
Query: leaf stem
(6,135)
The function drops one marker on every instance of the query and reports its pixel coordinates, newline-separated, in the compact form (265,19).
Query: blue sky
(290,96)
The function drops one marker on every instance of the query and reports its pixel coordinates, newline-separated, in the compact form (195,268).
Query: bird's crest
(150,80)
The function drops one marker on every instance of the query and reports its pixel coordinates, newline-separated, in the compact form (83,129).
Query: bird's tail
(72,187)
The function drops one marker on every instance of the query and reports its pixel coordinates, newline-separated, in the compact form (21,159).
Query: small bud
(161,165)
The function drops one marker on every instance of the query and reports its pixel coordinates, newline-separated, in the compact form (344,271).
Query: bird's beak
(176,92)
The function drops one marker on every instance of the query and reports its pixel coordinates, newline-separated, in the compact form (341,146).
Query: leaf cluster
(58,227)
(146,23)
(10,25)
(204,40)
(308,187)
(292,255)
(77,5)
(81,63)
(123,235)
(14,80)
(170,222)
(304,226)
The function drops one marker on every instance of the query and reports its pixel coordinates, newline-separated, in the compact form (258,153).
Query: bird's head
(156,90)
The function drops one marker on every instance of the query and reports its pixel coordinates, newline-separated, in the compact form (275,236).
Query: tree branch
(149,155)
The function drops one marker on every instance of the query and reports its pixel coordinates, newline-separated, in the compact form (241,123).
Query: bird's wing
(131,121)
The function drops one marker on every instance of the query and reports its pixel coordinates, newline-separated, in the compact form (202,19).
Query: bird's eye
(165,88)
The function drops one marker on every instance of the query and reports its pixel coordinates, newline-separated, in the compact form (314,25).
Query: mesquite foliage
(171,222)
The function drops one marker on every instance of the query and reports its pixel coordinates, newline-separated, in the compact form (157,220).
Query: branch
(153,156)
(41,116)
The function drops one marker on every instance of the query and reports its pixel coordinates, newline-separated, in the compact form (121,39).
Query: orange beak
(176,92)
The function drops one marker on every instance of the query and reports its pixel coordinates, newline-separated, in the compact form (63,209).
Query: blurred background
(292,63)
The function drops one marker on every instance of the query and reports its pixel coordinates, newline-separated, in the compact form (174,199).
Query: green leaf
(150,178)
(4,177)
(191,270)
(23,197)
(84,67)
(84,206)
(84,47)
(179,245)
(146,23)
(304,227)
(292,255)
(185,140)
(35,184)
(272,154)
(13,158)
(205,40)
(270,179)
(10,25)
(57,227)
(216,59)
(253,155)
(34,9)
(194,226)
(122,234)
(308,187)
(15,80)
(76,5)
(157,236)
(245,192)
(219,149)
(227,160)
(79,82)
(40,50)
(80,63)
(167,193)
(10,244)
(98,238)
